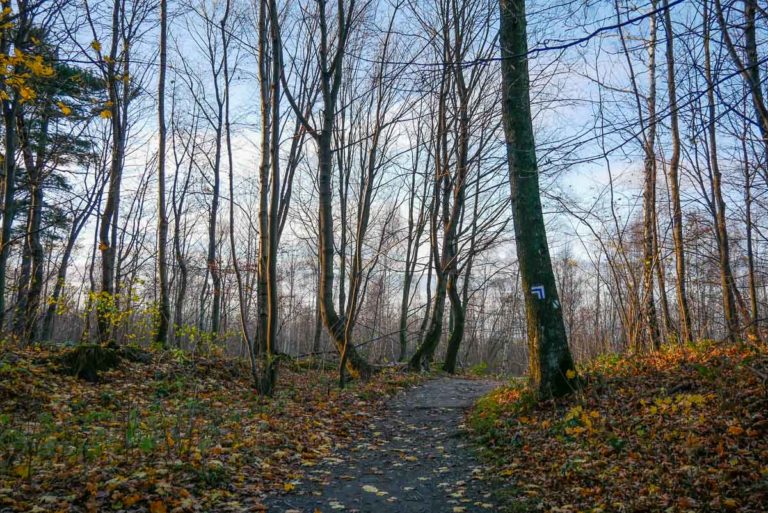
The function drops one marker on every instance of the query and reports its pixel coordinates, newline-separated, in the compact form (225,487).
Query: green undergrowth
(168,431)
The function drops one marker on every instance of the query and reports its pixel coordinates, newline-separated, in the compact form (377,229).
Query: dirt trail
(414,459)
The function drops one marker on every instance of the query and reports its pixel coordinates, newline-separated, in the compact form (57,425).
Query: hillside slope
(681,430)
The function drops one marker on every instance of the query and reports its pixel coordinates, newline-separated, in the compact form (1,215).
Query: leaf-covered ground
(414,458)
(682,430)
(174,435)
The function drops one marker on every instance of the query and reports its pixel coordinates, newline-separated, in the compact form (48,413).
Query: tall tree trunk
(459,303)
(423,356)
(212,260)
(10,106)
(318,331)
(15,38)
(335,325)
(404,304)
(721,230)
(108,225)
(649,198)
(36,278)
(684,313)
(269,201)
(427,305)
(416,224)
(241,299)
(22,284)
(330,82)
(754,327)
(550,361)
(164,314)
(32,276)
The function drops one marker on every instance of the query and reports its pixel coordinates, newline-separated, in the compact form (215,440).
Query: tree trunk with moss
(550,361)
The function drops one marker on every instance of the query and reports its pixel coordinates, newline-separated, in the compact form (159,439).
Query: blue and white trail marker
(538,291)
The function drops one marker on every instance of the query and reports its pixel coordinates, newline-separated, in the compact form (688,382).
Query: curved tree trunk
(457,330)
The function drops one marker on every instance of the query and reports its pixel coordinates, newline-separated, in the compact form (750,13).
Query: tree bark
(727,284)
(164,313)
(754,326)
(331,66)
(108,225)
(550,362)
(650,259)
(684,312)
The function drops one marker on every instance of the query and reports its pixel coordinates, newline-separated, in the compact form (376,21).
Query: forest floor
(177,433)
(684,429)
(414,457)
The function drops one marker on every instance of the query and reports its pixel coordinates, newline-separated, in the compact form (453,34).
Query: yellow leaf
(105,114)
(38,67)
(730,503)
(289,487)
(26,93)
(570,374)
(157,507)
(96,45)
(64,108)
(18,56)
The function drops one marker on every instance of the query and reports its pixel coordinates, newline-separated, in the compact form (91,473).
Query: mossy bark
(549,357)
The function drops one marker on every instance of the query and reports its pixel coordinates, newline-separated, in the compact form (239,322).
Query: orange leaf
(157,507)
(131,500)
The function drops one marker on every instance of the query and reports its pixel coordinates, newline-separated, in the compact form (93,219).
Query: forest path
(413,459)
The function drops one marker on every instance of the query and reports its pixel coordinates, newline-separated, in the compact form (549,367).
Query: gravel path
(414,459)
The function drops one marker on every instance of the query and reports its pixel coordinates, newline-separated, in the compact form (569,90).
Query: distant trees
(273,168)
(462,113)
